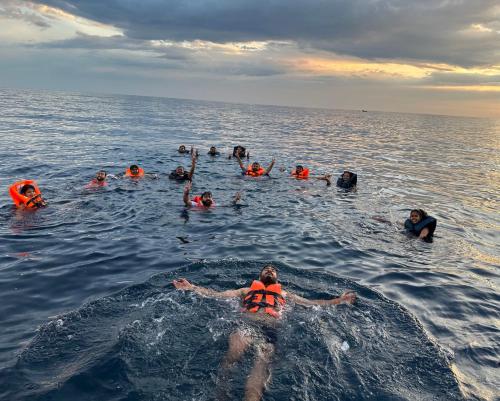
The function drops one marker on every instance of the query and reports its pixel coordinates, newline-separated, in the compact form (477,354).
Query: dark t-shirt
(182,177)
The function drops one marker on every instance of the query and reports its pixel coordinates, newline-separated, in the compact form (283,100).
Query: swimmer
(347,180)
(205,200)
(255,169)
(301,173)
(240,151)
(179,174)
(99,180)
(26,195)
(421,224)
(263,304)
(182,150)
(134,171)
(213,151)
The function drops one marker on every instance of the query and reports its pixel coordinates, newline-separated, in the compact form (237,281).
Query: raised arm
(240,163)
(270,167)
(185,196)
(347,297)
(193,165)
(184,285)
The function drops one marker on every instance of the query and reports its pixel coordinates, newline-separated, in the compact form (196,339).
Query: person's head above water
(182,149)
(101,175)
(28,191)
(346,175)
(134,169)
(206,199)
(213,149)
(417,215)
(299,169)
(269,275)
(255,166)
(179,170)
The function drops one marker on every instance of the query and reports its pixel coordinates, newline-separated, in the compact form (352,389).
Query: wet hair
(25,188)
(206,193)
(420,212)
(348,172)
(269,265)
(102,171)
(299,166)
(134,167)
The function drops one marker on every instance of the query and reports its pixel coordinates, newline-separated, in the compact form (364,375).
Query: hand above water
(348,297)
(182,284)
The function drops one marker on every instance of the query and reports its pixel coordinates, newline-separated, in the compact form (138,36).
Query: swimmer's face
(213,150)
(255,166)
(206,199)
(179,170)
(414,217)
(346,176)
(269,275)
(100,176)
(30,193)
(299,169)
(134,170)
(182,148)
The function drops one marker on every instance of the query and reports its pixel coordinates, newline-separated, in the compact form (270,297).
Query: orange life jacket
(19,199)
(260,296)
(128,173)
(199,203)
(252,173)
(302,175)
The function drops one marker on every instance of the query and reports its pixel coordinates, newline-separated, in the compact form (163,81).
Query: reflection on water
(87,244)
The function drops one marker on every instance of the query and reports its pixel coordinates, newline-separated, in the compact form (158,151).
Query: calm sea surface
(87,310)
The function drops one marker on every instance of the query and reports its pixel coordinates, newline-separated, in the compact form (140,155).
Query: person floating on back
(421,224)
(179,174)
(213,151)
(301,173)
(263,303)
(255,169)
(347,180)
(26,195)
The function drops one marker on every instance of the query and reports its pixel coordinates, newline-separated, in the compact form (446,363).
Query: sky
(417,56)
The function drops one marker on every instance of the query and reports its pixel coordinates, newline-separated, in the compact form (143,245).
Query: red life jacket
(302,175)
(252,173)
(128,173)
(19,199)
(199,203)
(260,296)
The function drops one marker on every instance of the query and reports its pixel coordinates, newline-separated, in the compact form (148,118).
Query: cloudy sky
(423,56)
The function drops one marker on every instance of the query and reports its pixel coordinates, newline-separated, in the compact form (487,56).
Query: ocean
(87,308)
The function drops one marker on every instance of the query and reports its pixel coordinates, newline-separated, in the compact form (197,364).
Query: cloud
(458,32)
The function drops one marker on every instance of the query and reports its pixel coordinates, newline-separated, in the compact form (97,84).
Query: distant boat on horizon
(364,111)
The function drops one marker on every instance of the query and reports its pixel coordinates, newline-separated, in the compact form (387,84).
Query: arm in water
(184,285)
(347,297)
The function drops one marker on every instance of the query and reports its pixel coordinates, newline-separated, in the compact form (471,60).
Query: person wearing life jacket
(204,200)
(263,303)
(99,180)
(179,174)
(255,169)
(347,180)
(421,225)
(26,195)
(301,173)
(134,171)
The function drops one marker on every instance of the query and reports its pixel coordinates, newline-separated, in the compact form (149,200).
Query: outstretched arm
(347,297)
(270,167)
(185,196)
(193,165)
(183,284)
(240,163)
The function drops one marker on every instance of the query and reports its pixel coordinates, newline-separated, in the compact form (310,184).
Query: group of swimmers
(26,193)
